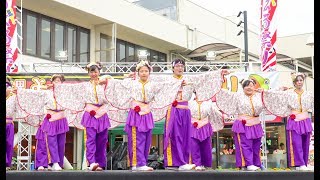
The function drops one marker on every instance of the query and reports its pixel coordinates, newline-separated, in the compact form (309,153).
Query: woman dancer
(247,129)
(10,111)
(295,104)
(51,134)
(141,97)
(177,127)
(206,119)
(95,118)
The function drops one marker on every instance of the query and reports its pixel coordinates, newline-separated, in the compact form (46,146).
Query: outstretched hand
(225,71)
(131,75)
(259,90)
(283,88)
(102,81)
(49,86)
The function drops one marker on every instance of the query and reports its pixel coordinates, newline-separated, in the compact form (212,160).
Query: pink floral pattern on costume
(159,95)
(238,103)
(206,84)
(281,103)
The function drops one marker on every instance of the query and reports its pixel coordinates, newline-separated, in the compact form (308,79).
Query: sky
(294,16)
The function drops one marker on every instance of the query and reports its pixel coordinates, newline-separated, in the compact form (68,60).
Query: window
(84,46)
(31,35)
(46,37)
(162,57)
(105,45)
(59,39)
(128,52)
(131,53)
(72,36)
(121,51)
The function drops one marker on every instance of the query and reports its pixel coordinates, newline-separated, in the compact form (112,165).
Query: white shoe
(192,166)
(41,168)
(134,168)
(200,168)
(144,168)
(186,167)
(303,168)
(49,168)
(56,167)
(93,166)
(252,168)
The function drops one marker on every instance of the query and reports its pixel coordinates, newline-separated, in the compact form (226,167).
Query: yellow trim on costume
(291,150)
(178,77)
(48,151)
(299,99)
(243,163)
(134,146)
(169,153)
(95,91)
(143,91)
(252,107)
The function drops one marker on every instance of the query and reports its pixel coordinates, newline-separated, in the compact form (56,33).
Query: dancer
(206,119)
(95,118)
(294,103)
(178,121)
(51,134)
(10,111)
(143,98)
(247,129)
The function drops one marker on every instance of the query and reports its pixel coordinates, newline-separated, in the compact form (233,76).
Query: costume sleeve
(227,102)
(165,94)
(117,93)
(216,118)
(70,96)
(207,84)
(278,103)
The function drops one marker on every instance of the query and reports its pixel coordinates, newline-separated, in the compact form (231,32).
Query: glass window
(154,56)
(59,39)
(121,52)
(131,54)
(72,33)
(143,48)
(276,146)
(45,38)
(84,46)
(31,34)
(162,57)
(105,45)
(226,149)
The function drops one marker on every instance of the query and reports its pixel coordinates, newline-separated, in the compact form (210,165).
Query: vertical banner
(11,36)
(268,35)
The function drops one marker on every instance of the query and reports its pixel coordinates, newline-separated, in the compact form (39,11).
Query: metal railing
(127,67)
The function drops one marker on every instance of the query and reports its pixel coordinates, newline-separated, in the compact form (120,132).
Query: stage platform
(160,175)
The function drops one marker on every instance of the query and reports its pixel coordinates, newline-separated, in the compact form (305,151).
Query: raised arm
(117,92)
(227,101)
(207,84)
(278,103)
(70,96)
